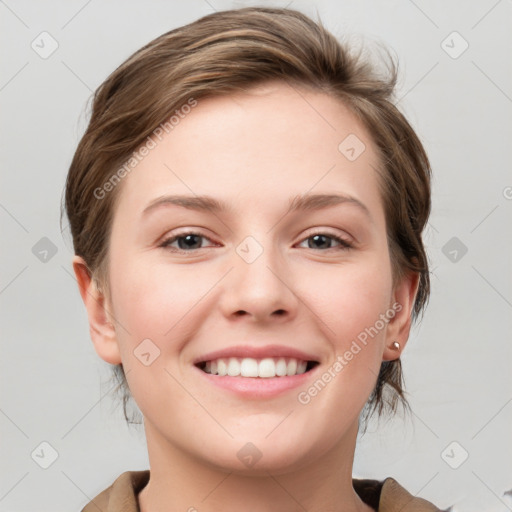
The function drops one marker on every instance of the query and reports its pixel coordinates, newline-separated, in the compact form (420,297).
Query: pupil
(320,238)
(188,242)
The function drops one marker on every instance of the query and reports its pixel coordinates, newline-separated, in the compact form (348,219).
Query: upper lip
(259,352)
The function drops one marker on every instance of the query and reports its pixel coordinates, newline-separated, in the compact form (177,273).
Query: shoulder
(389,496)
(395,497)
(121,496)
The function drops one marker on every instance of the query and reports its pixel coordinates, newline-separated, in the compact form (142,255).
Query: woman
(247,206)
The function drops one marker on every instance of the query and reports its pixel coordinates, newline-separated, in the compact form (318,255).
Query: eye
(324,241)
(187,242)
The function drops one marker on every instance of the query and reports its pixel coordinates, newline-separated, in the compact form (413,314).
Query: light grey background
(55,389)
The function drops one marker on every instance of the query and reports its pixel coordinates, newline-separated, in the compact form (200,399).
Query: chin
(258,458)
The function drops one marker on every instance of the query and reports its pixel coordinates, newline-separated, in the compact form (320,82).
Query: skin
(255,151)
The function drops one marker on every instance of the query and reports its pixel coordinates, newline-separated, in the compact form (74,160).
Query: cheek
(154,301)
(351,304)
(156,307)
(350,300)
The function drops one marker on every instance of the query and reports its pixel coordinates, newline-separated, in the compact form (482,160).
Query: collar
(121,496)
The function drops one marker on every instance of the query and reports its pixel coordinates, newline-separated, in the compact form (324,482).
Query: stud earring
(396,345)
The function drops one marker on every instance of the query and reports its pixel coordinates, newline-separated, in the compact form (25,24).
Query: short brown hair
(228,52)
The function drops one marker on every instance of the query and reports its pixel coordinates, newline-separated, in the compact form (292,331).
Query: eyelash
(344,244)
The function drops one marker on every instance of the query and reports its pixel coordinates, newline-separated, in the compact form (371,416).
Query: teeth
(267,368)
(222,368)
(291,369)
(281,367)
(249,367)
(233,367)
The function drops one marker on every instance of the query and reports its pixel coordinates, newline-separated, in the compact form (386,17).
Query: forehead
(270,142)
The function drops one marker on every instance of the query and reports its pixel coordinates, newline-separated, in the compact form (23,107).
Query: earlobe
(102,331)
(399,326)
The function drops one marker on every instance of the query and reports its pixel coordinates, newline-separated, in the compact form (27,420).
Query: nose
(261,290)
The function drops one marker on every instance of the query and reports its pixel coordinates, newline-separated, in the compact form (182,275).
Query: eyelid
(330,232)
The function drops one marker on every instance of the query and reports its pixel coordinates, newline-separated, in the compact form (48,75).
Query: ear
(399,325)
(102,331)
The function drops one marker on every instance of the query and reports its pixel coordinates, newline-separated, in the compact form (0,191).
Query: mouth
(258,372)
(261,368)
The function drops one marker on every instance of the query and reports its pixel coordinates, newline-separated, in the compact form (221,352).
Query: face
(248,240)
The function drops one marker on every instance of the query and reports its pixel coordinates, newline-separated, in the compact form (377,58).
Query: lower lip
(257,387)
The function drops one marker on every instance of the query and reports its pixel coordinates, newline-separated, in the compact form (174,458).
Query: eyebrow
(305,202)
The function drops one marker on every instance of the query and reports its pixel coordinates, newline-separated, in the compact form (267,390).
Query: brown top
(385,496)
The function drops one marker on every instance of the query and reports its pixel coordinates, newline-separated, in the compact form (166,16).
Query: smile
(265,368)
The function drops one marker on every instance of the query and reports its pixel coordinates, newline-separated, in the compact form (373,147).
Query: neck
(181,482)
